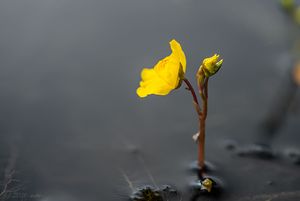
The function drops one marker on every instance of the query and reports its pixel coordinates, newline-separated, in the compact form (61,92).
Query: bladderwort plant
(169,73)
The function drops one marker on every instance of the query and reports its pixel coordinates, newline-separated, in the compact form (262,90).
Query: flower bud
(211,65)
(207,185)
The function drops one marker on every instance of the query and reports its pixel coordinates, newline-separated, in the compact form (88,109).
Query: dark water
(70,118)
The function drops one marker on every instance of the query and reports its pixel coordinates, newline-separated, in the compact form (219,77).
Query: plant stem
(202,118)
(195,99)
(203,90)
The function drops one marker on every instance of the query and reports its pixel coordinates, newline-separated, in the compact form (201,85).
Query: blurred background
(71,124)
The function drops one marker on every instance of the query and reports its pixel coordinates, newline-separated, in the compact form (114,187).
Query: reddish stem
(201,140)
(203,90)
(195,99)
(190,87)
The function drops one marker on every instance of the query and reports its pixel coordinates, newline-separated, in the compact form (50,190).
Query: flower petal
(177,50)
(166,75)
(152,83)
(168,70)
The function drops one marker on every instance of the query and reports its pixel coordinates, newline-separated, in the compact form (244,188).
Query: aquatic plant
(169,73)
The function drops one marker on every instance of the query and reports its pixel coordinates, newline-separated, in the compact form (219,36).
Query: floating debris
(230,145)
(150,193)
(258,151)
(169,190)
(293,155)
(146,193)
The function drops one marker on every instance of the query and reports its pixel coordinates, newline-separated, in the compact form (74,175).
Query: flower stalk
(202,114)
(203,90)
(195,99)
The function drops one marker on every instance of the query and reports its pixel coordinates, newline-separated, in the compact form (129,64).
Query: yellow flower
(211,65)
(166,75)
